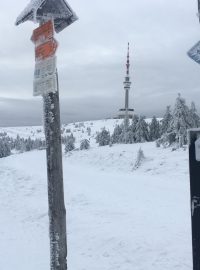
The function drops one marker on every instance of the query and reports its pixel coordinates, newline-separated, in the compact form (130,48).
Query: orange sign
(43,33)
(46,49)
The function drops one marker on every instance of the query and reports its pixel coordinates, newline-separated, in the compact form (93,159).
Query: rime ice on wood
(29,13)
(194,52)
(51,14)
(194,166)
(58,10)
(194,159)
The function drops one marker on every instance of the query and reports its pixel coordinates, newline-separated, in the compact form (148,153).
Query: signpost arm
(57,212)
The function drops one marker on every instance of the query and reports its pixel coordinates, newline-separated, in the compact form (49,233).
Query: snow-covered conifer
(89,131)
(141,133)
(194,118)
(134,123)
(69,143)
(103,137)
(17,143)
(85,144)
(166,121)
(126,124)
(116,136)
(29,144)
(180,121)
(140,158)
(4,148)
(154,129)
(131,136)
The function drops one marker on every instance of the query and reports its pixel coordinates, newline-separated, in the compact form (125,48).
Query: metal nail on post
(51,15)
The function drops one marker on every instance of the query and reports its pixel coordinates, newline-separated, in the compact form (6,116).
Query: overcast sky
(91,59)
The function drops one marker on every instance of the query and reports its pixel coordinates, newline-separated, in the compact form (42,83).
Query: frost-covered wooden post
(194,163)
(52,15)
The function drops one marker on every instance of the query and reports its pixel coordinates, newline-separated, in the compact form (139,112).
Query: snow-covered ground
(117,217)
(79,129)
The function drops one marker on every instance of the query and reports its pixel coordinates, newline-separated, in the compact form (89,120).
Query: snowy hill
(78,129)
(118,218)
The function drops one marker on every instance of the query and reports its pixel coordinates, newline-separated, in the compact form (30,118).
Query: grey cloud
(91,59)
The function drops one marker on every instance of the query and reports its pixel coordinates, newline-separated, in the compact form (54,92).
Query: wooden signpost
(51,14)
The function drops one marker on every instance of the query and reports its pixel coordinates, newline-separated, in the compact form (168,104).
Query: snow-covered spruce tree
(140,158)
(39,144)
(126,124)
(18,143)
(3,134)
(125,136)
(98,134)
(69,143)
(103,137)
(131,134)
(4,148)
(154,129)
(7,140)
(180,120)
(141,133)
(130,137)
(134,123)
(166,121)
(120,135)
(23,145)
(167,139)
(89,131)
(29,144)
(194,118)
(85,144)
(116,136)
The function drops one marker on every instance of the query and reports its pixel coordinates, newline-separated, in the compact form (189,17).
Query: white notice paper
(46,85)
